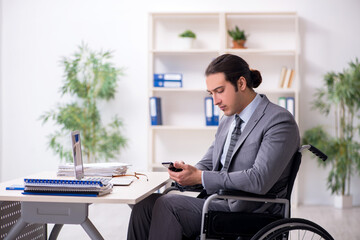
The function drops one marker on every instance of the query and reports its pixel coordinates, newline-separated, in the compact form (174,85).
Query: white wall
(1,21)
(36,33)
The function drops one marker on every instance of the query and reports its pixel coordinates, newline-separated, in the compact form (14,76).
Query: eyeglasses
(136,174)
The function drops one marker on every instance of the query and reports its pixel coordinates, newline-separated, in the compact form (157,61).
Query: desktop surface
(132,194)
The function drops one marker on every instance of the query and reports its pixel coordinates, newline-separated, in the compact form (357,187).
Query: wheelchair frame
(279,229)
(276,227)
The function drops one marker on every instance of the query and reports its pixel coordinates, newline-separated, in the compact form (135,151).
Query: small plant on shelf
(238,36)
(187,39)
(188,34)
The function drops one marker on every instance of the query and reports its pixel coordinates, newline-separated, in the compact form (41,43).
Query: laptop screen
(76,149)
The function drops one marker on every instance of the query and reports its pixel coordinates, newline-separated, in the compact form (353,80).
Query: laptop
(79,166)
(77,155)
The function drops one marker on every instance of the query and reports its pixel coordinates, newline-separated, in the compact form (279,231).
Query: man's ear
(241,83)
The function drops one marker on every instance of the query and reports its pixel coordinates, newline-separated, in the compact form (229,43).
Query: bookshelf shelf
(161,89)
(187,51)
(273,43)
(288,52)
(185,128)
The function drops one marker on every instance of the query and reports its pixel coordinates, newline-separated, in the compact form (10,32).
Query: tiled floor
(342,224)
(112,221)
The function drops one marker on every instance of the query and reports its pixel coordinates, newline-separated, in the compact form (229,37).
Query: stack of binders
(288,103)
(211,112)
(59,187)
(168,80)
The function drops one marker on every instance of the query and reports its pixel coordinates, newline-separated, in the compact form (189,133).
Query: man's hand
(189,175)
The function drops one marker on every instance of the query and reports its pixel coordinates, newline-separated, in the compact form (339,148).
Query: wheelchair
(258,226)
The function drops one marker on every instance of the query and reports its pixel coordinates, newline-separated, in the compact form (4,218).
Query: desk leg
(16,229)
(55,231)
(91,230)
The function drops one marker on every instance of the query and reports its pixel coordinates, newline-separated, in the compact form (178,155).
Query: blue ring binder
(41,182)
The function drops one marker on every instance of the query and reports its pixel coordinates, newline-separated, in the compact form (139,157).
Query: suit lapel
(254,119)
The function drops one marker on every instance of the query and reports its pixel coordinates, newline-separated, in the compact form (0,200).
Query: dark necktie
(234,138)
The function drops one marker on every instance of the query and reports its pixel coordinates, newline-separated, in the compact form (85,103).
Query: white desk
(74,210)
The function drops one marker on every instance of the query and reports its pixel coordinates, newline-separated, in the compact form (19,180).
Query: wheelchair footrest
(230,225)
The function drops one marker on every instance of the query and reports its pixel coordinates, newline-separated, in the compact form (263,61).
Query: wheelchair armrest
(239,193)
(169,189)
(177,187)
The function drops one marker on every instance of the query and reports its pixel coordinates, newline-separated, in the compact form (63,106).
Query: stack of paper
(95,169)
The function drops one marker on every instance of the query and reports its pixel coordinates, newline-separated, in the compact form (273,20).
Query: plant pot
(343,201)
(186,43)
(239,43)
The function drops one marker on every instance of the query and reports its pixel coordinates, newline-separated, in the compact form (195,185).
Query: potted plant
(341,98)
(89,77)
(187,39)
(238,36)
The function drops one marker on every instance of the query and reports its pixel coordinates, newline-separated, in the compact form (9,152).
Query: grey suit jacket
(261,159)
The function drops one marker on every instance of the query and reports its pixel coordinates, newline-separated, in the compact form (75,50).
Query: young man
(252,151)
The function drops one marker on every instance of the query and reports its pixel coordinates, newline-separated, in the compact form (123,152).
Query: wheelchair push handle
(315,151)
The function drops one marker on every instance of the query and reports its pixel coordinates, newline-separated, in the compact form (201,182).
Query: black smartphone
(170,166)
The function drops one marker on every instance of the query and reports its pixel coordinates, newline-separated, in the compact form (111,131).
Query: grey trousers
(170,216)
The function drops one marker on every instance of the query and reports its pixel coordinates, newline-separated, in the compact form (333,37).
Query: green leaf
(237,34)
(188,33)
(88,76)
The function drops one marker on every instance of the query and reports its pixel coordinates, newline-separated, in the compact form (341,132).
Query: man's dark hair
(233,68)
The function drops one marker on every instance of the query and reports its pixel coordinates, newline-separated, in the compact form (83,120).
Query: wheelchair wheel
(292,229)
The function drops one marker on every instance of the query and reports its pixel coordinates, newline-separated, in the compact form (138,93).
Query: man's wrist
(200,177)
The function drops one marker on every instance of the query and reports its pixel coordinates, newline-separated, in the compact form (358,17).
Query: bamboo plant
(340,98)
(89,77)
